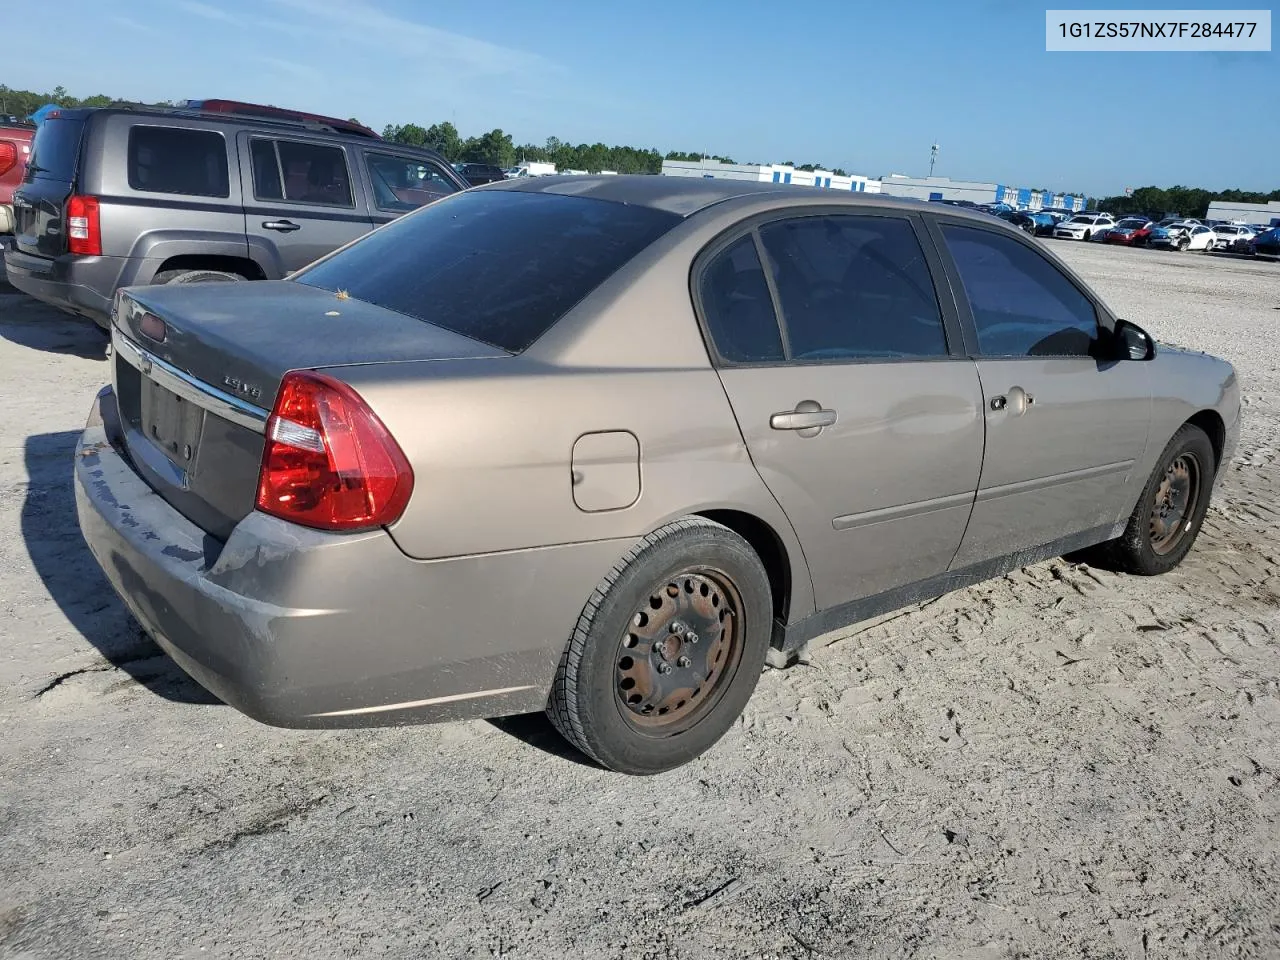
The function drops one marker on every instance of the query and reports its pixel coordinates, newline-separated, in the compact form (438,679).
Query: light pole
(933,157)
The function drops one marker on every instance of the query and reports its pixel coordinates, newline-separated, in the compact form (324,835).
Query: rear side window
(737,307)
(498,266)
(191,163)
(854,288)
(300,172)
(55,150)
(1023,306)
(401,184)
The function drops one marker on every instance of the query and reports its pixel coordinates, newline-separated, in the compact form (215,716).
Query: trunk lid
(39,205)
(193,403)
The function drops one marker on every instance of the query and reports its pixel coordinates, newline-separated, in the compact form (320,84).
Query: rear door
(1064,428)
(301,199)
(398,183)
(51,172)
(850,386)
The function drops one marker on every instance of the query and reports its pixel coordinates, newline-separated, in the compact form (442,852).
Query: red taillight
(329,462)
(84,233)
(8,156)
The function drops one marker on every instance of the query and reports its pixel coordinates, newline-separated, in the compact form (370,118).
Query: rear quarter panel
(491,441)
(153,225)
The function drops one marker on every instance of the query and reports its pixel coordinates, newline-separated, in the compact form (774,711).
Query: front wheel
(667,650)
(1170,510)
(1182,246)
(1087,234)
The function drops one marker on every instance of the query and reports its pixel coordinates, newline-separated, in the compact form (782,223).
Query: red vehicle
(1131,231)
(15,150)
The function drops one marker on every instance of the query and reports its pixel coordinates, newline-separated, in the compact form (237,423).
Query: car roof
(685,196)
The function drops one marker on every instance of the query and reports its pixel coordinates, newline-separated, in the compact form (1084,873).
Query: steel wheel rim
(680,651)
(1174,504)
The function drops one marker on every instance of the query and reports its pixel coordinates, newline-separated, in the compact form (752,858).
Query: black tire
(590,704)
(196,276)
(1182,245)
(1137,550)
(1088,234)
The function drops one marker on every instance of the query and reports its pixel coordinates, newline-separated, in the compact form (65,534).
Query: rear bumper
(300,628)
(79,285)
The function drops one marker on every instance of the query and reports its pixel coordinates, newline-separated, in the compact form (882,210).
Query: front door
(858,411)
(301,200)
(1065,425)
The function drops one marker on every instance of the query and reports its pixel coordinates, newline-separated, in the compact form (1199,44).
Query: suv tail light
(8,156)
(84,233)
(329,462)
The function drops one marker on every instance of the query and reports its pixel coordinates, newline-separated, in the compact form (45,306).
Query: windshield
(1132,224)
(1081,220)
(497,266)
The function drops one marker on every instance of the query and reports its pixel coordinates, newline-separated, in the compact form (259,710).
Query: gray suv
(127,196)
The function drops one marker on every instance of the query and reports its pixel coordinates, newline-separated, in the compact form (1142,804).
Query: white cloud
(447,51)
(205,10)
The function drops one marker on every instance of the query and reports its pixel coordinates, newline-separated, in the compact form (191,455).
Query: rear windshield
(499,266)
(55,150)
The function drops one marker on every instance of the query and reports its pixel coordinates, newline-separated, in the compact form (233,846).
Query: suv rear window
(498,266)
(55,150)
(192,163)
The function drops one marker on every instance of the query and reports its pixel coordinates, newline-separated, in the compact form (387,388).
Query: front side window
(302,173)
(401,184)
(174,160)
(1023,306)
(737,306)
(853,288)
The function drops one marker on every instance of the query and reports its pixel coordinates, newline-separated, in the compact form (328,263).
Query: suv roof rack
(260,113)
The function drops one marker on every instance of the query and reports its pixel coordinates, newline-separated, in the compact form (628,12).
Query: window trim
(952,327)
(935,223)
(368,153)
(129,165)
(275,142)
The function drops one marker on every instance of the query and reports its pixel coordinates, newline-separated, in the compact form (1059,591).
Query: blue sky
(864,86)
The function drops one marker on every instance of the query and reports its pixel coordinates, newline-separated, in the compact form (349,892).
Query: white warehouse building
(1262,214)
(768,173)
(976,191)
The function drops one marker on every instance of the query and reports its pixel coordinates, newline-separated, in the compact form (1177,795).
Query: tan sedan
(602,445)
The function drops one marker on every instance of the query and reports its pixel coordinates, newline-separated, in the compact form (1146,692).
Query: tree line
(1183,201)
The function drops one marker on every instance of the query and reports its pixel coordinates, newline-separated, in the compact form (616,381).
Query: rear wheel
(667,651)
(196,276)
(1170,511)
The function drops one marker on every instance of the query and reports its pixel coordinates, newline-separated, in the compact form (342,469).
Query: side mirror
(1132,342)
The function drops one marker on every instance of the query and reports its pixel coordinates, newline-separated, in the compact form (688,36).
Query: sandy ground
(1059,763)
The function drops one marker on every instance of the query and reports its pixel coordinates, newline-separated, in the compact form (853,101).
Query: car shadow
(73,579)
(30,323)
(536,730)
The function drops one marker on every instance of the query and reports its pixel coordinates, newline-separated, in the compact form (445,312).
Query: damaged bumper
(301,628)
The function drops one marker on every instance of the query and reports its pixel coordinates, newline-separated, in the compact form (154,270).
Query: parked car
(1023,221)
(1131,231)
(15,151)
(1181,236)
(1083,226)
(444,430)
(478,174)
(1226,234)
(123,196)
(1045,221)
(1267,243)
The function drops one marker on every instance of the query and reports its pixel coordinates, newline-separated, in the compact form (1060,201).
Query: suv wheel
(196,276)
(667,651)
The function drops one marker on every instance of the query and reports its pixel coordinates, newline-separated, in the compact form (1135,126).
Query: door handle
(1016,401)
(807,419)
(284,226)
